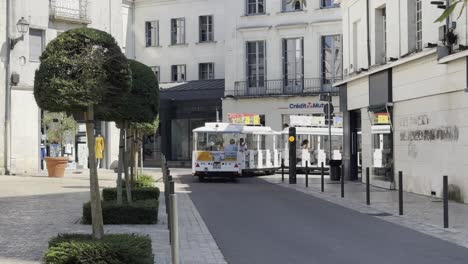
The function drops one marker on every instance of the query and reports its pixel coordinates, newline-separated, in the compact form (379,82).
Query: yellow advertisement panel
(245,119)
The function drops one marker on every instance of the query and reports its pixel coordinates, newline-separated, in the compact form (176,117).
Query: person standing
(99,149)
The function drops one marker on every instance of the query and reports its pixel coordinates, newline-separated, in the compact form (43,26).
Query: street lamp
(22,26)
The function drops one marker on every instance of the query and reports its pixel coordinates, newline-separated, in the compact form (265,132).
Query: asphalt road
(256,222)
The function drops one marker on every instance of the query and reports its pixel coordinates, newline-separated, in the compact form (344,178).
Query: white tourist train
(312,144)
(233,150)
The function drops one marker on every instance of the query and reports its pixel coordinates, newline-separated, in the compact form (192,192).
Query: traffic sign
(326,110)
(324,97)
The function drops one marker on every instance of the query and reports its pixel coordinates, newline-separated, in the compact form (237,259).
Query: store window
(382,144)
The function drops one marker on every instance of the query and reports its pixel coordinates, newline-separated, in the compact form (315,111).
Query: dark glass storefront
(184,108)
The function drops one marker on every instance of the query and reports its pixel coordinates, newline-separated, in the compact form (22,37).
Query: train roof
(228,128)
(315,131)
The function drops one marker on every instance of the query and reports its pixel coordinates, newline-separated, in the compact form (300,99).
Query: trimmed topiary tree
(138,108)
(141,107)
(83,70)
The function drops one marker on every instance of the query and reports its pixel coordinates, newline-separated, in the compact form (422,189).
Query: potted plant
(59,126)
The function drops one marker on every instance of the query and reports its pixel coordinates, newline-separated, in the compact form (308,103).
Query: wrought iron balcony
(298,87)
(74,11)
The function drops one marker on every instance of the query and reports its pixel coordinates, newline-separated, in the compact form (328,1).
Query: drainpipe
(369,61)
(7,133)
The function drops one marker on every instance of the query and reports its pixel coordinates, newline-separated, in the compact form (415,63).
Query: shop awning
(195,90)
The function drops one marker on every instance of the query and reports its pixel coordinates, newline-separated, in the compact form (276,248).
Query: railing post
(342,181)
(174,230)
(307,174)
(367,186)
(282,170)
(446,216)
(322,178)
(400,192)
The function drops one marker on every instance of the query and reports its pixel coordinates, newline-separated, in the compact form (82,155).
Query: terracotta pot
(56,166)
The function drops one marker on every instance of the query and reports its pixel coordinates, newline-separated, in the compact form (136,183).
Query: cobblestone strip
(197,245)
(456,236)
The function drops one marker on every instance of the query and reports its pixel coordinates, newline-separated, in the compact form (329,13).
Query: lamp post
(22,27)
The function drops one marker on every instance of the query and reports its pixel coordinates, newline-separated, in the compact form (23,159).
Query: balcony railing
(70,10)
(309,86)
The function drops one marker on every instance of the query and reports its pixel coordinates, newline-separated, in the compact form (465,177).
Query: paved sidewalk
(35,208)
(421,213)
(197,245)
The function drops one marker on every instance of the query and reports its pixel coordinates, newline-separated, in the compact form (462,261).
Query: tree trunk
(141,154)
(96,209)
(120,164)
(136,150)
(128,186)
(132,155)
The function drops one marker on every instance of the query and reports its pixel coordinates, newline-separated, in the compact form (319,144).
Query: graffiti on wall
(419,120)
(445,133)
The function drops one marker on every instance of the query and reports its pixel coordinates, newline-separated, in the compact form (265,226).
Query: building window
(206,71)
(293,64)
(292,5)
(328,4)
(256,63)
(152,33)
(419,45)
(177,31)
(206,28)
(381,35)
(356,50)
(332,59)
(36,44)
(255,7)
(178,73)
(155,69)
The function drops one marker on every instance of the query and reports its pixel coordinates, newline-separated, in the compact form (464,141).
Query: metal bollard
(446,216)
(171,187)
(367,186)
(400,193)
(307,174)
(282,170)
(322,179)
(174,229)
(342,181)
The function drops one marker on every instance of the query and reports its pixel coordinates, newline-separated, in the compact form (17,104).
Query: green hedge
(112,249)
(138,213)
(138,194)
(142,181)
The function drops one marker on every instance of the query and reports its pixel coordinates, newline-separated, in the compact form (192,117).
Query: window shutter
(35,44)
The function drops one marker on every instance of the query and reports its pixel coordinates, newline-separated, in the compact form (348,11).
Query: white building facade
(183,40)
(20,145)
(280,55)
(404,95)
